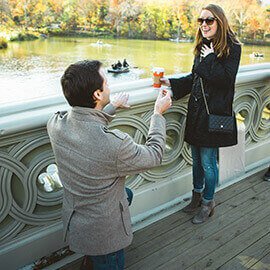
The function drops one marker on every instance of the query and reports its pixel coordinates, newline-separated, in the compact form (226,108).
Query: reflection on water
(33,69)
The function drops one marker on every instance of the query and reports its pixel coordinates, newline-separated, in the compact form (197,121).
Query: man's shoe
(267,175)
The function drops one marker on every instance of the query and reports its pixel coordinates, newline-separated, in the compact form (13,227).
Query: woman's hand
(120,100)
(165,81)
(206,50)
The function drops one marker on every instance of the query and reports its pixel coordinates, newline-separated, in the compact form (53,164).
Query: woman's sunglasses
(208,21)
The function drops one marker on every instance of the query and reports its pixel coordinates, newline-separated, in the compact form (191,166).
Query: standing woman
(217,55)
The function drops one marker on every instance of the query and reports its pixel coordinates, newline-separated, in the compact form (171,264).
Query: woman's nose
(204,23)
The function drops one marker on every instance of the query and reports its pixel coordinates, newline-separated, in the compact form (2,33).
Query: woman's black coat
(218,75)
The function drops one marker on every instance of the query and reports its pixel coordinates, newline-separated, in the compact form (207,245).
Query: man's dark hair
(80,81)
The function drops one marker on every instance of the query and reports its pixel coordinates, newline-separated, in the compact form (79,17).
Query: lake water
(32,69)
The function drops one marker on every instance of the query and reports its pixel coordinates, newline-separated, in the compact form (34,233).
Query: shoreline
(33,34)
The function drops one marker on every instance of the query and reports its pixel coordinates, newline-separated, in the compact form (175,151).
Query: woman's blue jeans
(115,260)
(205,171)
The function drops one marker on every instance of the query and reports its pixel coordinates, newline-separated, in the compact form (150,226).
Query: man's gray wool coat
(93,162)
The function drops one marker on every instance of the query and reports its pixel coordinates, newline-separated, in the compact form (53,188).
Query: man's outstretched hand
(120,100)
(163,102)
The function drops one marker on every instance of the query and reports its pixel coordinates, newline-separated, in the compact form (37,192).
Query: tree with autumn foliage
(149,19)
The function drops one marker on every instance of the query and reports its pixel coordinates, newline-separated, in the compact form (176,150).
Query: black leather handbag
(218,123)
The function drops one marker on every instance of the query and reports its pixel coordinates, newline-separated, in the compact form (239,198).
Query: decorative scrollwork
(22,204)
(174,160)
(253,106)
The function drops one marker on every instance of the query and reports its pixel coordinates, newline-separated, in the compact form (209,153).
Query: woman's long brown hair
(223,34)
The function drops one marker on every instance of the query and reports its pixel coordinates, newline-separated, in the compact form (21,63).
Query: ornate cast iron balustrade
(27,204)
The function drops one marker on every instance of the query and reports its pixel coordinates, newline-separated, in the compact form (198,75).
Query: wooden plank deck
(236,237)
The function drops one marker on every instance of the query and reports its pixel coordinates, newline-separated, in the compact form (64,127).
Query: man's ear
(97,95)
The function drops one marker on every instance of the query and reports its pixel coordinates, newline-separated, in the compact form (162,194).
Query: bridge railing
(31,196)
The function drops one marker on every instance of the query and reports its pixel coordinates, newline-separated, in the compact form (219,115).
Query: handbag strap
(204,98)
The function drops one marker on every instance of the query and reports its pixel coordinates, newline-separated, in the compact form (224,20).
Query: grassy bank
(24,36)
(19,34)
(3,43)
(78,33)
(33,34)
